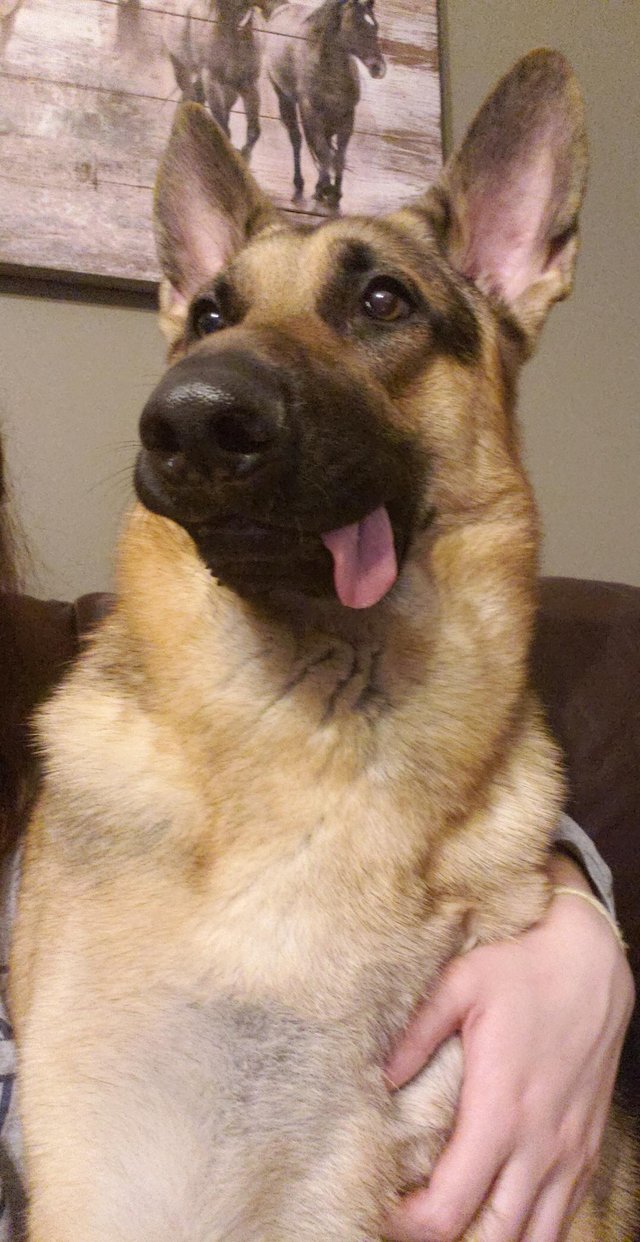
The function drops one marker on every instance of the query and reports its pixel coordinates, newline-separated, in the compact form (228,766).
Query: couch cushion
(38,640)
(586,665)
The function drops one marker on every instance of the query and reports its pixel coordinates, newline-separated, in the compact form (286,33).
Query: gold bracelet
(564,889)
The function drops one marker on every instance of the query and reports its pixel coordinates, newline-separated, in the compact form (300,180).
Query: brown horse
(8,13)
(314,73)
(217,61)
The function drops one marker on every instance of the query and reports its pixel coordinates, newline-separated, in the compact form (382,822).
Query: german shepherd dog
(300,767)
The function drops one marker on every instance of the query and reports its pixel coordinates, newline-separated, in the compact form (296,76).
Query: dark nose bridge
(294,342)
(218,408)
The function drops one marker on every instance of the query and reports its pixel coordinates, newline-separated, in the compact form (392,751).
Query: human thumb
(433,1021)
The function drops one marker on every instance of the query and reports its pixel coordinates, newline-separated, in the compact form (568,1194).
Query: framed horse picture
(334,103)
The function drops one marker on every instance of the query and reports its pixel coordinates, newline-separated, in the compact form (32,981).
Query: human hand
(542,1020)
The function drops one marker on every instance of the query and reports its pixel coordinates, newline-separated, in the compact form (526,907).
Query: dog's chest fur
(258,831)
(277,797)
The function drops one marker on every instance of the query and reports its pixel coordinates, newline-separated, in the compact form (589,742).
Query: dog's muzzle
(282,481)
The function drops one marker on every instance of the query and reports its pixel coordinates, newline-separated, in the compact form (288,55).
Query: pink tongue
(364,559)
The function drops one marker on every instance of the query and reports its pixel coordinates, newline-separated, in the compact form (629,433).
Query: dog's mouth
(365,565)
(359,560)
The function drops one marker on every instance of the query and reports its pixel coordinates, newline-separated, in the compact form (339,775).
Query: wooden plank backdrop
(87,96)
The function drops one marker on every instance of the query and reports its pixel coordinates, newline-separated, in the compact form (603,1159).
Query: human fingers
(524,1204)
(540,1059)
(404,1222)
(431,1024)
(512,1201)
(459,1184)
(566,1187)
(551,1218)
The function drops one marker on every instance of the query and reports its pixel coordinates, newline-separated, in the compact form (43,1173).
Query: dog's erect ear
(207,205)
(509,198)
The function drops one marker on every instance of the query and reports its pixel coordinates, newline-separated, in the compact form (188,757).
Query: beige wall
(580,403)
(74,376)
(73,381)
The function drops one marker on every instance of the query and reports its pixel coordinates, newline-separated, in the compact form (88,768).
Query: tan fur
(265,829)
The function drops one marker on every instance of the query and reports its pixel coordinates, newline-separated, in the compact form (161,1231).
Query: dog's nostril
(162,438)
(240,434)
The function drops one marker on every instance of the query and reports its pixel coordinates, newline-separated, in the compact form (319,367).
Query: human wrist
(569,882)
(564,871)
(561,890)
(576,844)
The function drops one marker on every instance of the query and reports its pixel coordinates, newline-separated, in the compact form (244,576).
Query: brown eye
(206,317)
(386,301)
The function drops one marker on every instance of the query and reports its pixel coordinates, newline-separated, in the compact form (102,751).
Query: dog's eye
(206,317)
(386,301)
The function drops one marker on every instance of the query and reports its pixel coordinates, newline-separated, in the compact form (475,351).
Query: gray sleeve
(575,842)
(12,1196)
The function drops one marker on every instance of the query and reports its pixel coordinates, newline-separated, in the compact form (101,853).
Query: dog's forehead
(274,267)
(291,266)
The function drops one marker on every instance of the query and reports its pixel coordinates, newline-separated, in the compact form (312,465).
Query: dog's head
(335,392)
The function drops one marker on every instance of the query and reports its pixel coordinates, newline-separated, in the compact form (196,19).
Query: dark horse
(217,61)
(313,70)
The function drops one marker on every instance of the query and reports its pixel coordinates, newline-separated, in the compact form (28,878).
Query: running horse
(217,61)
(315,76)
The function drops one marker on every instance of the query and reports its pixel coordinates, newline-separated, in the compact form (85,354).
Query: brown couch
(586,663)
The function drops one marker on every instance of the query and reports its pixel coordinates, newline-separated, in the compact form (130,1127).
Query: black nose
(215,413)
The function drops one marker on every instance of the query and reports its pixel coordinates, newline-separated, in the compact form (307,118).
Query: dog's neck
(268,748)
(263,651)
(334,685)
